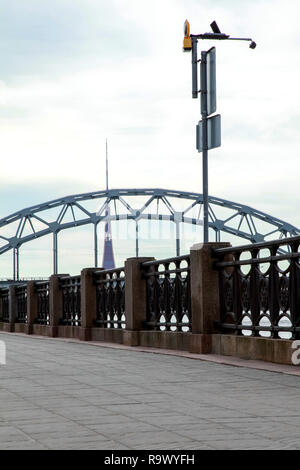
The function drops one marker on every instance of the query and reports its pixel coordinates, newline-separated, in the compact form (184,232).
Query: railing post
(12,307)
(205,298)
(135,299)
(55,303)
(31,306)
(88,303)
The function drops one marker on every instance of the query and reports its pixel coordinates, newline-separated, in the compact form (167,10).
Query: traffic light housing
(187,41)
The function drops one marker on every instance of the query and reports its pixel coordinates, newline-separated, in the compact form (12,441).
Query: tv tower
(108,260)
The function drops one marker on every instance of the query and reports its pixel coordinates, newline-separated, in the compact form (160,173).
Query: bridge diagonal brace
(39,219)
(31,224)
(125,204)
(62,213)
(168,204)
(83,209)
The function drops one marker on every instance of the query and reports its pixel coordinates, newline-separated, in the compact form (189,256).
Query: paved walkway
(57,394)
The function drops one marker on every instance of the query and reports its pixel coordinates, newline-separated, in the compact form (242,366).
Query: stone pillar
(32,306)
(88,303)
(55,303)
(205,299)
(135,299)
(12,308)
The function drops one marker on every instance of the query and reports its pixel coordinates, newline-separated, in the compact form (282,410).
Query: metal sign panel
(213,133)
(209,81)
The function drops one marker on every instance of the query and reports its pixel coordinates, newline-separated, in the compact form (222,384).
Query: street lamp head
(187,41)
(186,29)
(190,39)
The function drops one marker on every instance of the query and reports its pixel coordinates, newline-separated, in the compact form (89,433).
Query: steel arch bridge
(178,207)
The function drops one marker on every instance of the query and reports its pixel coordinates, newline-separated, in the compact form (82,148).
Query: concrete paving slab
(62,394)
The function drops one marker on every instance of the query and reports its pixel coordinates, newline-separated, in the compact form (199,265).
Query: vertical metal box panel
(213,133)
(209,81)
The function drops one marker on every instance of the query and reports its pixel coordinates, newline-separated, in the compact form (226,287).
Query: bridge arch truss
(179,207)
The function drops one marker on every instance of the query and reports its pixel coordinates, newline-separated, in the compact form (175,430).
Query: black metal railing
(110,298)
(168,294)
(21,303)
(71,294)
(43,314)
(4,305)
(260,288)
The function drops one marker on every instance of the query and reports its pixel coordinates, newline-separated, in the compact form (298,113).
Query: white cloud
(120,73)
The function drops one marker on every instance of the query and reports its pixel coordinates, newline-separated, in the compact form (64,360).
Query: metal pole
(205,150)
(95,246)
(195,90)
(106,167)
(136,240)
(16,275)
(55,253)
(177,239)
(14,265)
(17,263)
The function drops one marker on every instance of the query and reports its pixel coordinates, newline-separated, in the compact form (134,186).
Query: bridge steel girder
(37,214)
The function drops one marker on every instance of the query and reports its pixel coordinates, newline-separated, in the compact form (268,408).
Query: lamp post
(208,130)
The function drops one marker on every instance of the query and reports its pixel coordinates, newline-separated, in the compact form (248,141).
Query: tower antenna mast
(106,167)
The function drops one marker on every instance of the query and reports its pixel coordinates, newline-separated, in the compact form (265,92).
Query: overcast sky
(74,72)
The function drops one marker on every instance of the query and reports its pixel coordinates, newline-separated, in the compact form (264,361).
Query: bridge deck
(57,394)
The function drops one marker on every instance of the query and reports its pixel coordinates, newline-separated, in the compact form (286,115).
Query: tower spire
(106,167)
(108,261)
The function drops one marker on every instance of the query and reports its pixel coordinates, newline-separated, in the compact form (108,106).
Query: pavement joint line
(214,358)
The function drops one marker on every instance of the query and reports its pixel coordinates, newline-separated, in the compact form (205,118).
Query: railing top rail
(108,271)
(165,260)
(254,246)
(23,279)
(42,283)
(20,286)
(70,278)
(266,259)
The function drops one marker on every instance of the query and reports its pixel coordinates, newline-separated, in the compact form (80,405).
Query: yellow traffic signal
(187,41)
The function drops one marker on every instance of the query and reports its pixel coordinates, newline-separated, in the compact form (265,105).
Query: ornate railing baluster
(294,290)
(166,286)
(274,293)
(240,296)
(168,294)
(21,301)
(270,298)
(4,305)
(154,301)
(254,293)
(296,310)
(71,294)
(42,291)
(110,298)
(178,294)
